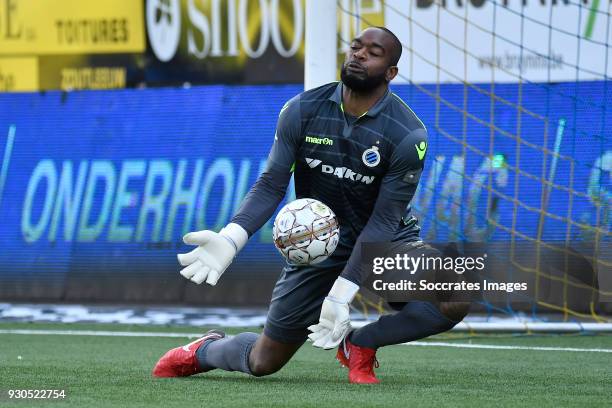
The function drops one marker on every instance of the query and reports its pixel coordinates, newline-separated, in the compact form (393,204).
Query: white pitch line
(195,335)
(99,333)
(501,347)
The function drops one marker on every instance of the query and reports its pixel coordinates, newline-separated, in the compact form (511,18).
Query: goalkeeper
(367,175)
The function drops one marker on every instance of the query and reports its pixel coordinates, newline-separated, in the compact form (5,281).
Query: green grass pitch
(101,371)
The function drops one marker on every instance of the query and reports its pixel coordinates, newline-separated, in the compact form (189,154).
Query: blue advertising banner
(105,183)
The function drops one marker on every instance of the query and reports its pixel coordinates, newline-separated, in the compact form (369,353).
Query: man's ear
(391,73)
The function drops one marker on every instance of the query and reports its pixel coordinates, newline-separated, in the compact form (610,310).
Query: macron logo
(319,140)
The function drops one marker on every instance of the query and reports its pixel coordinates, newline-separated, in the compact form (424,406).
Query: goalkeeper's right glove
(215,252)
(334,322)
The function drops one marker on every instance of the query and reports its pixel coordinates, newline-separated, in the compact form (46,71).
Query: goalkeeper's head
(371,60)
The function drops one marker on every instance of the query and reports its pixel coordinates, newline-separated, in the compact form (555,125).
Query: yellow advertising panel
(42,27)
(95,71)
(18,74)
(110,44)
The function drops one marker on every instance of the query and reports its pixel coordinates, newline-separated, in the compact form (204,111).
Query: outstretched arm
(216,251)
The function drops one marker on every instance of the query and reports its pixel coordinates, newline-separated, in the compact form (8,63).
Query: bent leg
(417,319)
(414,321)
(268,355)
(249,353)
(296,304)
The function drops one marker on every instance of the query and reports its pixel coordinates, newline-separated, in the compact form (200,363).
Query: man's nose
(360,54)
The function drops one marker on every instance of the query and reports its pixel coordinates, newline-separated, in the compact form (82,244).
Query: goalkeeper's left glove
(334,322)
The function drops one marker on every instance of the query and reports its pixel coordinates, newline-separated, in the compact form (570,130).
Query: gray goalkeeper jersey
(365,169)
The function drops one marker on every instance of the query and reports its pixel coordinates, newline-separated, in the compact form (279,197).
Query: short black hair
(396,52)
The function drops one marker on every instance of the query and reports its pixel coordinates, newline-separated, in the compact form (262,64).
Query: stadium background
(98,186)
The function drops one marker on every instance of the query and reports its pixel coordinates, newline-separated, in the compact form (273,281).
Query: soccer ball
(306,232)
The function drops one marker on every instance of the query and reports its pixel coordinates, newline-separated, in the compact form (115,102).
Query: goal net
(515,96)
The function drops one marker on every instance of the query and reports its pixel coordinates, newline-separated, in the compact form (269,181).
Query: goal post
(320,43)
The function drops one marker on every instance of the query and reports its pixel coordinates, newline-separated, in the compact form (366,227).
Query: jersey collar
(373,112)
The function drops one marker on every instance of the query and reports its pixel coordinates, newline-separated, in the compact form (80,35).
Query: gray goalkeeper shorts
(298,296)
(297,299)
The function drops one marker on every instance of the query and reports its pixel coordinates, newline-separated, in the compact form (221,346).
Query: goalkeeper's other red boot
(182,361)
(361,363)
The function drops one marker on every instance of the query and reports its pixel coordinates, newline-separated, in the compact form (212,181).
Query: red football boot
(182,361)
(360,361)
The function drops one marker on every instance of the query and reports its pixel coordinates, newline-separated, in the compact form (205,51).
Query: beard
(361,85)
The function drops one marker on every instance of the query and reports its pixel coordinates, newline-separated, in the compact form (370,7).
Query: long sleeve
(270,188)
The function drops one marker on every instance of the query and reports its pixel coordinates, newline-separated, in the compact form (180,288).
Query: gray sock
(229,354)
(415,321)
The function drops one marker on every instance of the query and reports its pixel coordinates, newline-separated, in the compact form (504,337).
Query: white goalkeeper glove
(334,322)
(215,252)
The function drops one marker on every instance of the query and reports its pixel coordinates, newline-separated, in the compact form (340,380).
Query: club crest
(371,157)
